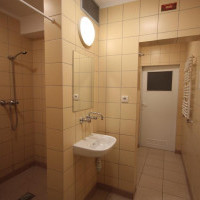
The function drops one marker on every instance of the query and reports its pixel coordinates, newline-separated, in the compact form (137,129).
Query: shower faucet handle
(3,103)
(13,102)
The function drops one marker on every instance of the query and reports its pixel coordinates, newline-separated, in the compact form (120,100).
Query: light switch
(76,97)
(124,99)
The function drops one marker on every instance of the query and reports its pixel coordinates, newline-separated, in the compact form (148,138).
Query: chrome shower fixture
(15,56)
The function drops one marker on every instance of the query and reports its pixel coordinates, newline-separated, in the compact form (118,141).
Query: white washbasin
(95,145)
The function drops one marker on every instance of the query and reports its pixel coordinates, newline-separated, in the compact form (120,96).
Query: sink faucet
(95,115)
(90,116)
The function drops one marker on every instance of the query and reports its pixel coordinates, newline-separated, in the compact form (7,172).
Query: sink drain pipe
(98,164)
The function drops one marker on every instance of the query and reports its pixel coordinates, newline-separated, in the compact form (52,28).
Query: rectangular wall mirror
(83,82)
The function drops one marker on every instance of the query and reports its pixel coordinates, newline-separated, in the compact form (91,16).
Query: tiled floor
(32,180)
(101,194)
(161,176)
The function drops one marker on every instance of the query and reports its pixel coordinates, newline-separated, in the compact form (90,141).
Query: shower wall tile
(23,140)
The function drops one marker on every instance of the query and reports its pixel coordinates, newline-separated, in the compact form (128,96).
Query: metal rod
(38,11)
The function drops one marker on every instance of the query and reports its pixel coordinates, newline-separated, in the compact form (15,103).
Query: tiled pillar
(69,177)
(54,100)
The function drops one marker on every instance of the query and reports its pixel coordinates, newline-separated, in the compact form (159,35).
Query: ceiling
(17,9)
(108,3)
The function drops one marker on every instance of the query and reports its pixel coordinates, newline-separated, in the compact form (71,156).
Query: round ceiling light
(87,31)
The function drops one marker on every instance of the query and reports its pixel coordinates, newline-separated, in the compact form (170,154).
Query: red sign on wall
(170,6)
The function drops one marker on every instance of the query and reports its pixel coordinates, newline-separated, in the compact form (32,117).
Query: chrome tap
(90,116)
(95,117)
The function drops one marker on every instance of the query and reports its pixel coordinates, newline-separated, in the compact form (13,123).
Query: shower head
(15,56)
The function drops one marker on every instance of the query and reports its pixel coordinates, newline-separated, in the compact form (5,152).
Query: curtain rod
(38,11)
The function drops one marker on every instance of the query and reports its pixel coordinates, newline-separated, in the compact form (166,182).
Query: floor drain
(27,196)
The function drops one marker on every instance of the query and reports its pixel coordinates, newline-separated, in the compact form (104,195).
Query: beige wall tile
(103,16)
(130,62)
(148,25)
(128,111)
(188,18)
(113,95)
(130,45)
(131,28)
(126,173)
(103,32)
(131,10)
(111,170)
(184,4)
(68,30)
(127,127)
(149,7)
(127,143)
(112,125)
(115,13)
(114,47)
(114,30)
(168,22)
(113,110)
(127,158)
(129,78)
(114,63)
(113,79)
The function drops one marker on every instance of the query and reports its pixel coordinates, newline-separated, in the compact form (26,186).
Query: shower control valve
(3,103)
(13,102)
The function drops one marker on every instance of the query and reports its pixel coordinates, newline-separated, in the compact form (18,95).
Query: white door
(159,99)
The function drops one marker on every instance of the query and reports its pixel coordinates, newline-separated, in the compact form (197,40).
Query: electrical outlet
(124,99)
(76,97)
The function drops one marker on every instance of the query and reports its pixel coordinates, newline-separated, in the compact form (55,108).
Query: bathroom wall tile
(113,79)
(128,111)
(127,127)
(112,125)
(102,48)
(115,13)
(52,7)
(168,22)
(114,30)
(112,156)
(148,25)
(114,47)
(184,4)
(126,186)
(103,32)
(148,38)
(131,93)
(149,7)
(53,51)
(113,110)
(114,63)
(54,96)
(68,9)
(127,143)
(53,155)
(130,45)
(167,35)
(131,28)
(113,95)
(131,10)
(129,78)
(111,169)
(103,16)
(68,30)
(127,158)
(130,62)
(126,173)
(53,31)
(187,18)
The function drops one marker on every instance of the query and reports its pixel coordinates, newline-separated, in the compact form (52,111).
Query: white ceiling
(17,9)
(108,3)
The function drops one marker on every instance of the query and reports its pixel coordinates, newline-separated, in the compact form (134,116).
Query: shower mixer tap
(3,103)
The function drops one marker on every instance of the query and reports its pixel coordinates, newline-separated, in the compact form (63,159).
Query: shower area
(22,111)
